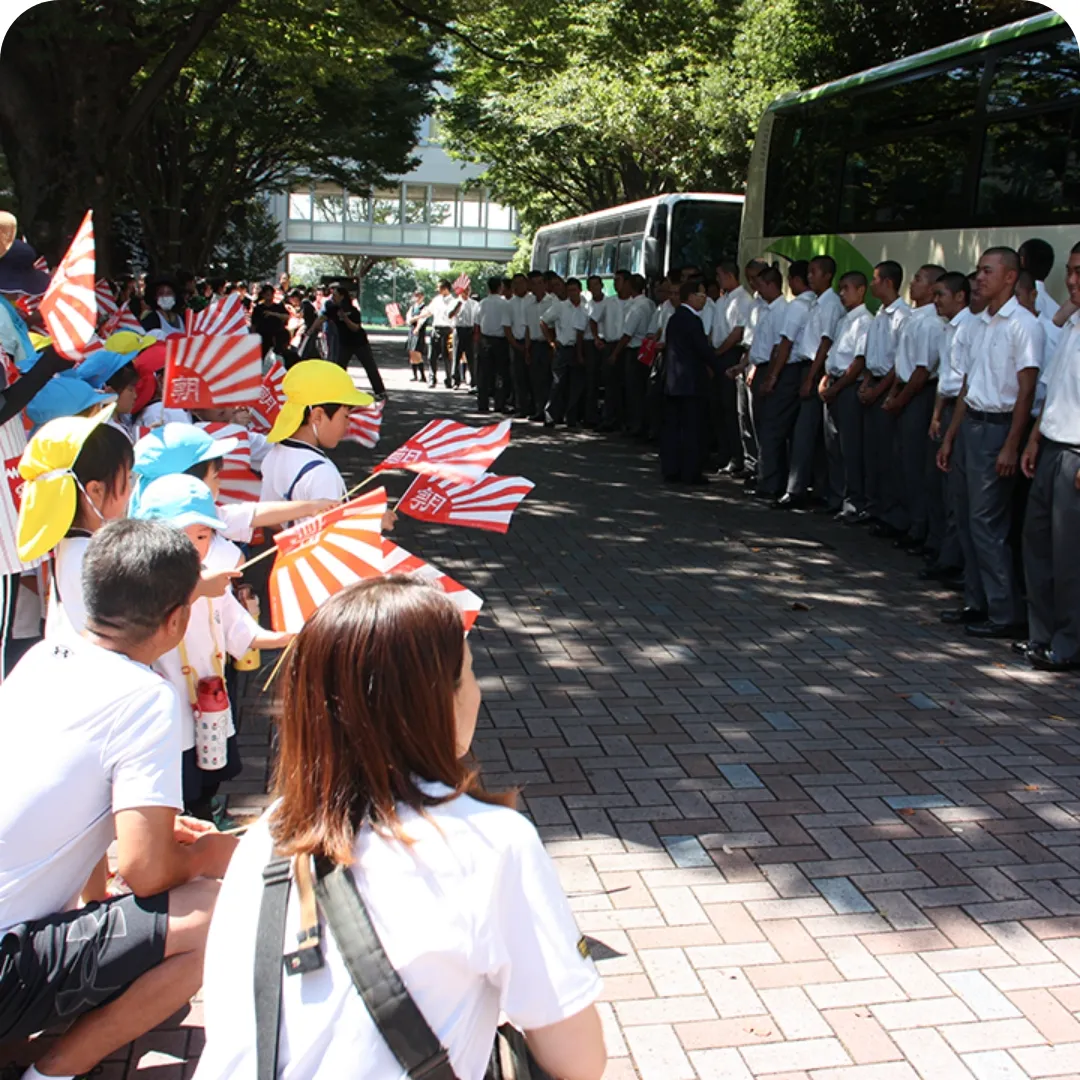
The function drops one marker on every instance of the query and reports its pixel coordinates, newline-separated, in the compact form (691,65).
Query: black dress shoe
(1045,659)
(994,631)
(1022,648)
(964,616)
(789,501)
(847,517)
(940,573)
(884,531)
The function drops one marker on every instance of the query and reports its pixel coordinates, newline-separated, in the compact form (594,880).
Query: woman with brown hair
(380,708)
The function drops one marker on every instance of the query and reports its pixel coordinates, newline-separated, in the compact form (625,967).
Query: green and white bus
(647,237)
(928,159)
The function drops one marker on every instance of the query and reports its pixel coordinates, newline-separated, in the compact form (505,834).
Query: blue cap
(98,368)
(179,500)
(63,397)
(174,448)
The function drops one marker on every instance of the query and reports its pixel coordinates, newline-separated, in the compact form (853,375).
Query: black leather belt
(990,417)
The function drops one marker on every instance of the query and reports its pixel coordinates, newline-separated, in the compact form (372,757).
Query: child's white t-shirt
(232,633)
(65,616)
(282,468)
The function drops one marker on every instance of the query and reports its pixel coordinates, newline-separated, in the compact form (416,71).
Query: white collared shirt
(732,310)
(952,362)
(919,342)
(881,341)
(470,310)
(533,312)
(825,312)
(637,320)
(519,314)
(1051,341)
(663,317)
(757,309)
(795,316)
(708,314)
(610,322)
(566,319)
(1061,413)
(850,340)
(1045,304)
(440,308)
(1005,344)
(767,331)
(494,315)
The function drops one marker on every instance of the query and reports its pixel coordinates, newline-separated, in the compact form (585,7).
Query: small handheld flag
(399,561)
(447,448)
(365,424)
(271,397)
(487,504)
(212,372)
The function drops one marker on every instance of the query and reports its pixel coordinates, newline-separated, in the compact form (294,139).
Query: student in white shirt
(839,393)
(811,349)
(730,323)
(1051,460)
(609,336)
(520,338)
(100,762)
(219,627)
(1027,294)
(442,309)
(314,419)
(910,401)
(493,358)
(1037,258)
(879,433)
(595,301)
(948,498)
(464,340)
(995,410)
(766,453)
(459,889)
(637,319)
(77,477)
(567,322)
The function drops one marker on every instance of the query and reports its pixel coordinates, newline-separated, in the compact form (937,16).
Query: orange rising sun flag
(70,308)
(447,448)
(212,372)
(321,556)
(365,424)
(487,504)
(399,561)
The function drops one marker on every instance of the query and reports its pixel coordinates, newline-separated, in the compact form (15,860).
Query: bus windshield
(703,232)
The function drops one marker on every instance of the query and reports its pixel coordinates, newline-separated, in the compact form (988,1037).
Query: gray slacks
(748,435)
(778,413)
(844,444)
(913,444)
(1051,568)
(990,505)
(941,505)
(806,437)
(879,449)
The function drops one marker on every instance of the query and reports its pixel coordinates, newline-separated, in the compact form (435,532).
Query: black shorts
(55,969)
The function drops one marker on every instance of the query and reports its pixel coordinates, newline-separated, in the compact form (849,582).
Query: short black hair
(637,283)
(536,274)
(106,456)
(445,281)
(135,574)
(935,270)
(519,274)
(956,282)
(202,469)
(1009,256)
(1038,257)
(800,269)
(689,287)
(773,276)
(330,408)
(856,276)
(891,270)
(728,267)
(594,277)
(494,284)
(573,281)
(122,378)
(827,263)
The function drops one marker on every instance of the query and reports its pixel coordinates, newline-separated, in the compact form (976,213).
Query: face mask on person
(166,303)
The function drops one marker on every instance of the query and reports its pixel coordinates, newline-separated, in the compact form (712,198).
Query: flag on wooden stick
(487,504)
(206,372)
(321,556)
(69,306)
(399,561)
(447,448)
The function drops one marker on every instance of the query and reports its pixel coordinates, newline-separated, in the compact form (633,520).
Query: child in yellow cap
(77,473)
(314,418)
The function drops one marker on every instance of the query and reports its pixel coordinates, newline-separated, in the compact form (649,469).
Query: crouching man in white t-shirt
(91,737)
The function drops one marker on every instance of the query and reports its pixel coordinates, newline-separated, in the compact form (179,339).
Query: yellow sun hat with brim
(127,342)
(313,382)
(50,495)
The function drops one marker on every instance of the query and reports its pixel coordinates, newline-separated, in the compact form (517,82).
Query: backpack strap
(408,1035)
(307,467)
(269,946)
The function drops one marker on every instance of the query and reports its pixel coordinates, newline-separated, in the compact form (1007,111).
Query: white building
(427,214)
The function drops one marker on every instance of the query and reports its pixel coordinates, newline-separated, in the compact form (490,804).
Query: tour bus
(647,237)
(927,159)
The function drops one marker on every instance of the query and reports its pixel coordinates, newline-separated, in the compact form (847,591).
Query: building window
(471,204)
(443,199)
(357,208)
(415,204)
(300,206)
(386,207)
(499,217)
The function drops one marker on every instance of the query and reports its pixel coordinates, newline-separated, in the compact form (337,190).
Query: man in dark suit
(688,367)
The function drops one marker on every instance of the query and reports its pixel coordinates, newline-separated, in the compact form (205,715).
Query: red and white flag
(236,480)
(212,372)
(69,307)
(123,318)
(487,504)
(447,448)
(321,556)
(365,424)
(461,283)
(271,397)
(399,561)
(224,316)
(106,302)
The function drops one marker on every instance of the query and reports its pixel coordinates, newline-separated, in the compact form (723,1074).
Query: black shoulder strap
(269,947)
(307,467)
(400,1022)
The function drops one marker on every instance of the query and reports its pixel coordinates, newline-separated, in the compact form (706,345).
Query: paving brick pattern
(809,832)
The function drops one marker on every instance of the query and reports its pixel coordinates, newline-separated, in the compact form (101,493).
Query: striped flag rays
(70,305)
(450,449)
(487,504)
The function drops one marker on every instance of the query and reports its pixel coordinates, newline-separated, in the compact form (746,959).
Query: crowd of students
(946,423)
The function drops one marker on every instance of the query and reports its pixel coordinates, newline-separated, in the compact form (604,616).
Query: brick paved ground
(810,832)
